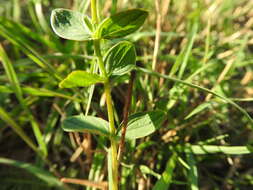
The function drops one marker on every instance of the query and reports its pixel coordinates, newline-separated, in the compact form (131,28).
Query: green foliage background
(205,142)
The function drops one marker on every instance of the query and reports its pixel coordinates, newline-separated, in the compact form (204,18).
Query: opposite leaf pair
(73,25)
(119,60)
(139,124)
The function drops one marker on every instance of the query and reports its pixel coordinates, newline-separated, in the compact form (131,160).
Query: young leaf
(80,79)
(143,124)
(122,24)
(81,123)
(120,59)
(70,24)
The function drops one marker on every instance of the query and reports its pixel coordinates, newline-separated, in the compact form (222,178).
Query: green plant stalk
(94,14)
(40,16)
(113,147)
(16,10)
(107,88)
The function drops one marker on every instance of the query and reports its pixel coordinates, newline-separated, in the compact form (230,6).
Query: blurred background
(208,43)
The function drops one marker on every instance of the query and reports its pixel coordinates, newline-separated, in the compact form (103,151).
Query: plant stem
(109,107)
(94,15)
(113,147)
(107,88)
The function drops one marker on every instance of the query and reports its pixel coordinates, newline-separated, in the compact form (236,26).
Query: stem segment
(107,88)
(113,147)
(94,15)
(113,142)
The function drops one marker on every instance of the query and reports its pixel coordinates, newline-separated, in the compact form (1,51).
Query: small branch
(99,185)
(125,115)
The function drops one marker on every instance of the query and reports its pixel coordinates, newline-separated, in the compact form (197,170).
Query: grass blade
(23,45)
(16,10)
(198,109)
(166,178)
(17,89)
(10,73)
(39,92)
(41,18)
(38,172)
(96,167)
(199,88)
(183,57)
(193,172)
(17,129)
(214,149)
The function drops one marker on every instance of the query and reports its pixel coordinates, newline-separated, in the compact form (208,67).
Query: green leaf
(166,178)
(120,59)
(122,24)
(80,79)
(70,24)
(143,124)
(198,109)
(38,172)
(214,149)
(192,175)
(81,123)
(11,74)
